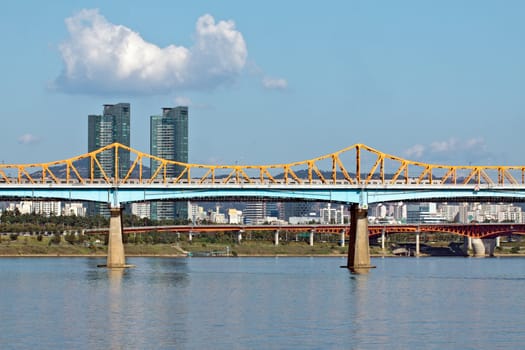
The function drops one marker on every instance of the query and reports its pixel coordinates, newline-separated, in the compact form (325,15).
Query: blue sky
(270,81)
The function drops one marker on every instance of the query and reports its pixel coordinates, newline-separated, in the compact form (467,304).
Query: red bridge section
(468,230)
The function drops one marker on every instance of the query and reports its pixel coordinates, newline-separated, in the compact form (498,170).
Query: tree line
(18,223)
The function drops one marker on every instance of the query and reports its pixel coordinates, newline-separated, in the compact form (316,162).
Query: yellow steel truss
(354,165)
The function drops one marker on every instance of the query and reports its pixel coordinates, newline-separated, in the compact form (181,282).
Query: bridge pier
(239,237)
(343,234)
(490,245)
(483,246)
(383,239)
(417,244)
(478,248)
(116,257)
(276,237)
(466,246)
(311,238)
(358,246)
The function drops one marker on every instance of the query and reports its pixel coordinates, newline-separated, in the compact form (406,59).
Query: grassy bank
(267,248)
(31,246)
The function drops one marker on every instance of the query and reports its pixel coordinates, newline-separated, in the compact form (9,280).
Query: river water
(262,303)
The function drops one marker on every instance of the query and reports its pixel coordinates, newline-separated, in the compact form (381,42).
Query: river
(262,303)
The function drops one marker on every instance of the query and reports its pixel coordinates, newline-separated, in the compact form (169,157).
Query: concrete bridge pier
(239,237)
(311,238)
(358,246)
(276,238)
(483,246)
(190,236)
(383,239)
(490,246)
(478,248)
(343,234)
(467,245)
(417,244)
(116,257)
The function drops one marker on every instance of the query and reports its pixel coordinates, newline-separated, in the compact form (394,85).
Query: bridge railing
(357,165)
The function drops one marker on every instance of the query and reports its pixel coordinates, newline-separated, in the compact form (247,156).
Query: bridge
(475,234)
(356,175)
(484,230)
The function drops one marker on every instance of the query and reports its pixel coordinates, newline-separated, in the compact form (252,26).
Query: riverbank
(172,250)
(32,247)
(169,251)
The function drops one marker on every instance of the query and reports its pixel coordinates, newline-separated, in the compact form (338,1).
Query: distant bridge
(490,230)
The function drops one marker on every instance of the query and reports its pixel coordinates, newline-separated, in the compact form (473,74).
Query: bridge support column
(490,245)
(190,236)
(478,247)
(383,238)
(343,234)
(116,257)
(467,244)
(498,242)
(417,244)
(276,238)
(464,248)
(312,238)
(358,245)
(483,246)
(239,237)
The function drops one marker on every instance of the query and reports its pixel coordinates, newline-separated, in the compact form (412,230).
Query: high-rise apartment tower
(112,126)
(169,140)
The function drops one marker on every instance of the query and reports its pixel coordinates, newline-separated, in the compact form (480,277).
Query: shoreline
(98,256)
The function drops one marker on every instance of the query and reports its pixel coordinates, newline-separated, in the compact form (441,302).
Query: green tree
(70,238)
(55,239)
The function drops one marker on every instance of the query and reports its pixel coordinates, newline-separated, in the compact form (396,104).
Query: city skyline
(433,82)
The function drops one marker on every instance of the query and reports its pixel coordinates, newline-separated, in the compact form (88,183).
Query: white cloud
(445,146)
(274,83)
(475,143)
(186,101)
(101,57)
(415,151)
(453,150)
(28,139)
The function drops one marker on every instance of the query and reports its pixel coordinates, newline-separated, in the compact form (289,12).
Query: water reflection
(168,272)
(115,311)
(139,306)
(359,308)
(257,303)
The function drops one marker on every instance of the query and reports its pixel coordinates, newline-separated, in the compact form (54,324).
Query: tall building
(424,213)
(169,140)
(112,126)
(300,209)
(254,212)
(140,209)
